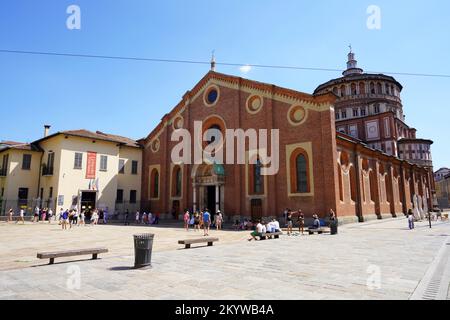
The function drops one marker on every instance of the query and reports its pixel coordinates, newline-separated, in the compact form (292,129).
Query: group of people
(68,218)
(317,224)
(264,228)
(202,220)
(146,218)
(19,218)
(39,214)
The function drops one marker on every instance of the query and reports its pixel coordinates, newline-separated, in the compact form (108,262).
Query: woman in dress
(44,214)
(186,219)
(219,220)
(10,215)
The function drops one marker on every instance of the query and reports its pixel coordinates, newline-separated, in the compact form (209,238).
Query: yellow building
(19,175)
(76,169)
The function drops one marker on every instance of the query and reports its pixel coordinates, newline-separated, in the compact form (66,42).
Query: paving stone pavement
(375,260)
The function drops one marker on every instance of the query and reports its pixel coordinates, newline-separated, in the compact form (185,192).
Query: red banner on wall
(91,165)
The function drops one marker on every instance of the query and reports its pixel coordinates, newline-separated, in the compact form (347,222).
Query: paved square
(374,260)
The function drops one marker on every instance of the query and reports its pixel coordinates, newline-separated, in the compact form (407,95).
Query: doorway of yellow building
(88,202)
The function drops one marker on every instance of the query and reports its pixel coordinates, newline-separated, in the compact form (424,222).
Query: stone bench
(271,235)
(71,253)
(189,242)
(318,230)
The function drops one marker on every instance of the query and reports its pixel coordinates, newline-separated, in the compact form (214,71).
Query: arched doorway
(208,182)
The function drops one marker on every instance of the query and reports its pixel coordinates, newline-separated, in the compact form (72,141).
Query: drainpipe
(40,174)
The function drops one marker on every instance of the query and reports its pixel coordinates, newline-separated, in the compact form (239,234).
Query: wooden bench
(187,243)
(70,253)
(318,231)
(272,235)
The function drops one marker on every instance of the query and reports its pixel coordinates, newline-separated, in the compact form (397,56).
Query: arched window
(154,184)
(343,91)
(302,174)
(299,166)
(353,88)
(362,88)
(372,88)
(379,88)
(176,182)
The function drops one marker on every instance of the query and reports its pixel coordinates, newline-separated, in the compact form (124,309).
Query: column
(217,197)
(194,202)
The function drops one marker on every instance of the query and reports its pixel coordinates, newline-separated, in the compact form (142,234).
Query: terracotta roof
(11,143)
(6,145)
(101,136)
(98,135)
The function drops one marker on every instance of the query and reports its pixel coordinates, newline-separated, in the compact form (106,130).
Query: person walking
(59,217)
(75,217)
(94,217)
(127,213)
(70,218)
(10,215)
(50,215)
(137,217)
(196,221)
(21,216)
(186,219)
(36,214)
(65,219)
(289,222)
(410,219)
(301,221)
(43,214)
(105,216)
(219,220)
(206,222)
(82,217)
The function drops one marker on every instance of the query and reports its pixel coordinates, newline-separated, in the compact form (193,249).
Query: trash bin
(334,227)
(143,244)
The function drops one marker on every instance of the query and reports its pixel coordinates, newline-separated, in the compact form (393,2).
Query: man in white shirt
(264,228)
(257,232)
(276,225)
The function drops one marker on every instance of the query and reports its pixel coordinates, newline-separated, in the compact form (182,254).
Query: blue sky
(129,98)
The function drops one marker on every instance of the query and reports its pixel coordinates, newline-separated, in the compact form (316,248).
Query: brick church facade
(320,168)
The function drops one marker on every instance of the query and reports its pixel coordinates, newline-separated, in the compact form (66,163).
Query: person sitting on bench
(258,232)
(316,224)
(270,228)
(276,225)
